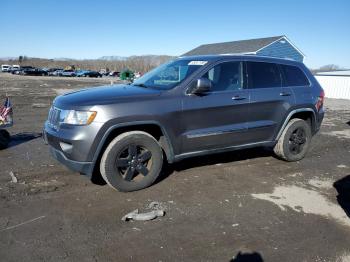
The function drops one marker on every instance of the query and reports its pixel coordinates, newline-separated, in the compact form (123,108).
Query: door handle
(238,98)
(285,94)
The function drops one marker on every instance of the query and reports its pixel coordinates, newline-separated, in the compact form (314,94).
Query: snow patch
(304,200)
(321,183)
(340,134)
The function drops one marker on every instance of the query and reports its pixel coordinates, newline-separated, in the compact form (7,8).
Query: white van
(5,68)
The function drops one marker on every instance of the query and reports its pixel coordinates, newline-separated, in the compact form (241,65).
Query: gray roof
(235,47)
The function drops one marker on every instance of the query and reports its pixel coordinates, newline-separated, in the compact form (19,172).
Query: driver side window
(226,76)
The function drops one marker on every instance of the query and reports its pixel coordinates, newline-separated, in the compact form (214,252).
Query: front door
(216,119)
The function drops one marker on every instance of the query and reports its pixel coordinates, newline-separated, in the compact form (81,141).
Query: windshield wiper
(140,85)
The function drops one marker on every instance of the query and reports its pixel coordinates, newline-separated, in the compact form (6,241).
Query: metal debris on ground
(341,166)
(135,215)
(13,177)
(157,211)
(24,223)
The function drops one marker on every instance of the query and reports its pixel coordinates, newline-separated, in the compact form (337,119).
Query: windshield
(169,75)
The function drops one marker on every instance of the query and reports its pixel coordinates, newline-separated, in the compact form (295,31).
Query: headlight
(73,117)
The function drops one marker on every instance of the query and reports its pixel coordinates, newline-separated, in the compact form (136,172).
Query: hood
(103,95)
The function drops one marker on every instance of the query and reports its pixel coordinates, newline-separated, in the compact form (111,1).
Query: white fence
(335,86)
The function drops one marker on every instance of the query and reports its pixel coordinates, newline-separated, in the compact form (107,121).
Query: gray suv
(188,107)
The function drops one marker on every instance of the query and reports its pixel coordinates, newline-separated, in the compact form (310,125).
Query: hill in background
(142,63)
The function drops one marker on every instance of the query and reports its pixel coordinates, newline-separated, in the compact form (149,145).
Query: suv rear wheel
(132,161)
(294,141)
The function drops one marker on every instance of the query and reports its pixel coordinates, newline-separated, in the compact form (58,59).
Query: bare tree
(330,67)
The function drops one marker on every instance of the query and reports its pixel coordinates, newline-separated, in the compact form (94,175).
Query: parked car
(33,72)
(51,71)
(70,73)
(13,68)
(114,73)
(81,73)
(189,107)
(137,75)
(57,72)
(88,73)
(104,72)
(5,68)
(15,71)
(20,70)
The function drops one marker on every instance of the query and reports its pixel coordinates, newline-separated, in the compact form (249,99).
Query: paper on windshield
(197,63)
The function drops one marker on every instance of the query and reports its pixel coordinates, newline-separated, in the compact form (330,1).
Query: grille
(54,117)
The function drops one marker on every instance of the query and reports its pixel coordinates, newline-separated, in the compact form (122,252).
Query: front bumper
(85,168)
(72,146)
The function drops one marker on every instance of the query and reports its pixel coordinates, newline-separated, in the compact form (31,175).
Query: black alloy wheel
(134,162)
(297,141)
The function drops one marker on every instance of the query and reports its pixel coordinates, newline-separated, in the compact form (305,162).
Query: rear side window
(263,75)
(294,76)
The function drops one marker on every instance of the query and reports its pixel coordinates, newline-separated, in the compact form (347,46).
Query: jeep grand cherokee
(188,107)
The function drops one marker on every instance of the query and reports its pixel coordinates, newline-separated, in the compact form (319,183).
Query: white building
(336,84)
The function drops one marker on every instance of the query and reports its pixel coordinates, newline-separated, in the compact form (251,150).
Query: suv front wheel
(294,141)
(132,161)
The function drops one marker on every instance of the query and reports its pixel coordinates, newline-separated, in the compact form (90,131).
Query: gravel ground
(228,207)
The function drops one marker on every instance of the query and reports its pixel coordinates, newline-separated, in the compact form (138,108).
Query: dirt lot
(216,206)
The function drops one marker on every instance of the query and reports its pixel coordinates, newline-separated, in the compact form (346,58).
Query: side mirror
(203,85)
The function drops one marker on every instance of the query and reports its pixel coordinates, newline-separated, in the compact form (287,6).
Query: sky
(91,29)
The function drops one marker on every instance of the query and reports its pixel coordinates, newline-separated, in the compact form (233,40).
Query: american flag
(5,110)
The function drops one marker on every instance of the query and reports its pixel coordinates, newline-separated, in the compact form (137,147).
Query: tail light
(320,100)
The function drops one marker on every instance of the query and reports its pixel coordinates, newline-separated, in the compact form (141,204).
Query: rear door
(269,100)
(216,119)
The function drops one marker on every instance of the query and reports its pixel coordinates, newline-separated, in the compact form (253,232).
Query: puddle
(304,200)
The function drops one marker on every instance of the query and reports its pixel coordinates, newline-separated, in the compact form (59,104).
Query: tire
(4,139)
(132,161)
(294,141)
